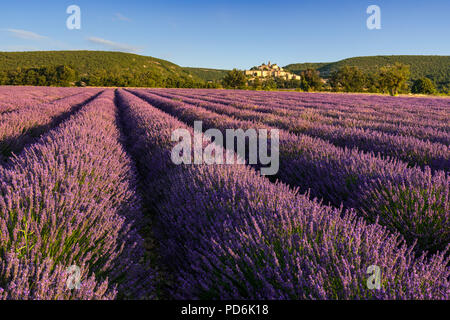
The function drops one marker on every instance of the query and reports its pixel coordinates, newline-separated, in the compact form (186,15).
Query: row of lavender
(70,199)
(411,150)
(362,117)
(225,232)
(22,125)
(406,200)
(432,112)
(12,98)
(355,116)
(277,254)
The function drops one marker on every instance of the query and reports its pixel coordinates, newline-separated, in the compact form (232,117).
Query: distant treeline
(391,79)
(435,68)
(64,75)
(44,76)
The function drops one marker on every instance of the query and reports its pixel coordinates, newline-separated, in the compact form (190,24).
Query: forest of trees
(94,68)
(64,76)
(389,79)
(435,68)
(393,80)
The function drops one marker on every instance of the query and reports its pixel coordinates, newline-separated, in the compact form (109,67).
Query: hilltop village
(270,71)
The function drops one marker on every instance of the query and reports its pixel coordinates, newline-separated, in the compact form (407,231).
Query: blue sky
(227,34)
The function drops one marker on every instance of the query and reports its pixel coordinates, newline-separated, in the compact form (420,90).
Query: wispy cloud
(24,34)
(114,45)
(121,17)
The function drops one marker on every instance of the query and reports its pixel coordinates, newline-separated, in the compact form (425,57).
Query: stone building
(270,70)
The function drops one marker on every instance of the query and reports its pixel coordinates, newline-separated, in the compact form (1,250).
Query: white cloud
(114,45)
(24,34)
(121,17)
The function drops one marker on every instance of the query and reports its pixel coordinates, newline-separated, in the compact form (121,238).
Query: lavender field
(87,180)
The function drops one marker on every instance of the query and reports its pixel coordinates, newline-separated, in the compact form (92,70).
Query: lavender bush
(12,98)
(70,199)
(89,173)
(429,111)
(22,126)
(228,233)
(409,149)
(341,175)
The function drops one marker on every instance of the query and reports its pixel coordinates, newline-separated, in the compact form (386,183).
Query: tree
(372,82)
(65,75)
(269,84)
(393,79)
(31,77)
(256,84)
(3,78)
(310,80)
(294,83)
(234,79)
(15,77)
(424,86)
(349,79)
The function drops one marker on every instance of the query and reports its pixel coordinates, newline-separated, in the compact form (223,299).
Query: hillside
(436,68)
(297,68)
(206,74)
(86,62)
(97,63)
(126,69)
